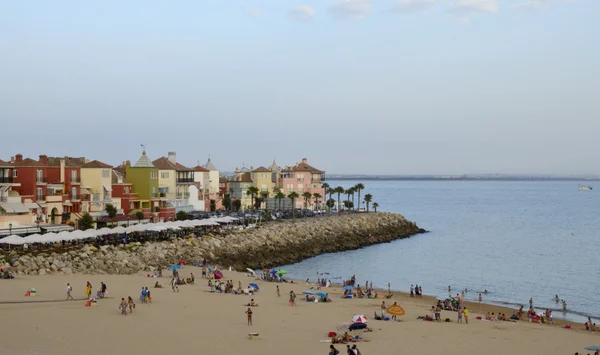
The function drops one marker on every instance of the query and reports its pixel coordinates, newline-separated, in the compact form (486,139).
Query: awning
(56,186)
(86,187)
(107,188)
(14,207)
(20,230)
(68,204)
(31,205)
(57,228)
(42,204)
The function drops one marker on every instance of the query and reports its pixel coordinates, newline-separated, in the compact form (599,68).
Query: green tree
(227,202)
(368,199)
(316,196)
(293,196)
(330,203)
(375,205)
(139,215)
(307,196)
(348,204)
(252,192)
(111,210)
(279,196)
(86,222)
(213,205)
(257,202)
(181,216)
(326,188)
(358,187)
(237,204)
(349,192)
(339,190)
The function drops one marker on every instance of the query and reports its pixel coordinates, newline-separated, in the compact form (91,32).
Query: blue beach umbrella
(347,288)
(593,347)
(308,292)
(174,267)
(254,286)
(281,272)
(321,294)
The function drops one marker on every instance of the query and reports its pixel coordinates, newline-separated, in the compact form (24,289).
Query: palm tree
(317,196)
(325,187)
(349,192)
(252,191)
(279,196)
(339,190)
(375,205)
(368,199)
(359,187)
(293,196)
(307,196)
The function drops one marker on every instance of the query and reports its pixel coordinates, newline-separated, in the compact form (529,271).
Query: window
(74,193)
(153,175)
(15,173)
(126,189)
(131,205)
(73,175)
(39,194)
(85,208)
(164,175)
(105,173)
(39,175)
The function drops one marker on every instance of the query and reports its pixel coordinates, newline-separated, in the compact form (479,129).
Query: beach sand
(195,321)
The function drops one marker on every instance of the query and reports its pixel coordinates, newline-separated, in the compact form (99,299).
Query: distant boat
(587,188)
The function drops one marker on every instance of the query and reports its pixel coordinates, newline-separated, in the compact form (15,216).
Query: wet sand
(196,321)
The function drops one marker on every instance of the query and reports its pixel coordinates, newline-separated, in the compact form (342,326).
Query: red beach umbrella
(218,275)
(359,318)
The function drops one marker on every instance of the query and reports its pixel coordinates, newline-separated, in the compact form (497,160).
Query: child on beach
(123,307)
(466,315)
(69,290)
(460,315)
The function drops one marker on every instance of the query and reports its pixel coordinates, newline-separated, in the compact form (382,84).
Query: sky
(354,86)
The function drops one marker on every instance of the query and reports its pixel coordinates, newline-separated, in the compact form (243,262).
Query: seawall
(273,244)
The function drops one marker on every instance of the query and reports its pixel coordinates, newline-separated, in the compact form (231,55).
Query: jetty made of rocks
(272,244)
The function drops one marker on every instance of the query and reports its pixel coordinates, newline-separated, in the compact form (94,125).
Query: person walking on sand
(88,289)
(466,315)
(69,290)
(130,304)
(383,309)
(123,307)
(480,299)
(148,295)
(292,298)
(278,294)
(355,348)
(103,289)
(460,315)
(333,350)
(249,313)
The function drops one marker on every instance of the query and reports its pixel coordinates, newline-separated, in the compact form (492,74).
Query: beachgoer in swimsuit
(123,307)
(130,304)
(249,313)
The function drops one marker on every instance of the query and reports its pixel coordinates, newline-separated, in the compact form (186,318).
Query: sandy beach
(197,321)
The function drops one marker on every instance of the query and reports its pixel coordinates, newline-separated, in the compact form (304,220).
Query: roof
(144,162)
(164,163)
(69,161)
(261,169)
(96,164)
(222,179)
(116,176)
(300,167)
(29,162)
(209,165)
(121,169)
(200,168)
(4,163)
(246,177)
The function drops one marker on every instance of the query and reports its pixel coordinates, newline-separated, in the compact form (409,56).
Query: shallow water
(515,239)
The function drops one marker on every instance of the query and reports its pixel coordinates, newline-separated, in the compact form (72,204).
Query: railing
(154,195)
(184,180)
(75,197)
(40,179)
(107,198)
(75,179)
(6,180)
(40,198)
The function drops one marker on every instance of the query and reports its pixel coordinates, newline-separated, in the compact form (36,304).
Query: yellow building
(174,181)
(263,180)
(96,188)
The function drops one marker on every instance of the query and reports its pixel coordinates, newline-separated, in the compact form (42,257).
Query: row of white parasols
(93,233)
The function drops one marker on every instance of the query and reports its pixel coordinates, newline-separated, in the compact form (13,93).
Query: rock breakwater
(272,244)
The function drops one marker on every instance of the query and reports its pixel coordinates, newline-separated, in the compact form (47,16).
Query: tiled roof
(116,176)
(4,163)
(164,163)
(29,162)
(300,167)
(121,169)
(96,164)
(201,169)
(246,177)
(261,169)
(144,162)
(69,161)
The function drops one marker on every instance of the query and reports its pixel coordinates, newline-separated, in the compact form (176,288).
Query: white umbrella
(12,240)
(34,238)
(119,230)
(251,271)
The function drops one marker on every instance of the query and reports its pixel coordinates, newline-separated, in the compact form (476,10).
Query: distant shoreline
(532,179)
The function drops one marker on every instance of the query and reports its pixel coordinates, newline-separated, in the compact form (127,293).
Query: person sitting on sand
(493,317)
(520,312)
(347,337)
(252,303)
(157,285)
(488,316)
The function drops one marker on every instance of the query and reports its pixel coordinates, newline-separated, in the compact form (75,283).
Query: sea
(516,239)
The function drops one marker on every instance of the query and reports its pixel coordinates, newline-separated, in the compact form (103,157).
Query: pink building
(302,178)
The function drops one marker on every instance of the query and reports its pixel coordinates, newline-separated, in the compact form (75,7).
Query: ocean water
(515,239)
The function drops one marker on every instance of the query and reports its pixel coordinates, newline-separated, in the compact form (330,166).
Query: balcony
(75,180)
(40,198)
(154,195)
(41,180)
(75,197)
(107,198)
(183,195)
(185,180)
(6,180)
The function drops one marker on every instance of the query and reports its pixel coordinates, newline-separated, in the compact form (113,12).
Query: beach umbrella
(12,240)
(360,318)
(347,288)
(321,294)
(251,271)
(174,267)
(218,275)
(593,347)
(357,326)
(308,292)
(254,286)
(395,310)
(281,272)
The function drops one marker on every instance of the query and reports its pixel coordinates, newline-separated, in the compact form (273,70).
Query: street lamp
(128,217)
(172,217)
(10,229)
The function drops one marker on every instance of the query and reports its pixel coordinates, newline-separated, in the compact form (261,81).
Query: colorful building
(96,189)
(262,179)
(302,178)
(143,176)
(238,188)
(174,181)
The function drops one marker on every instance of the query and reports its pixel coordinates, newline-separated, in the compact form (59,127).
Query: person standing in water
(530,302)
(564,306)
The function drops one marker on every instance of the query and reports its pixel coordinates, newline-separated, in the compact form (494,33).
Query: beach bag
(331,334)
